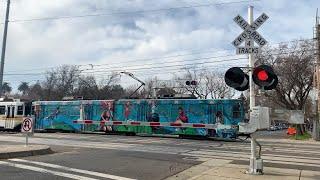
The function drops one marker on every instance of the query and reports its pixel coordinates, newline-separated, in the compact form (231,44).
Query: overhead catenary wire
(132,60)
(144,59)
(121,68)
(129,12)
(151,67)
(149,58)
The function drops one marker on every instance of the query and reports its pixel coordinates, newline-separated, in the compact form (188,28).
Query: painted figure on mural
(182,117)
(127,110)
(106,115)
(153,116)
(219,117)
(53,115)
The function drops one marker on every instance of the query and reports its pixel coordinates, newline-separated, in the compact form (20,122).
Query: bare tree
(150,84)
(60,82)
(209,84)
(215,87)
(294,65)
(191,74)
(87,87)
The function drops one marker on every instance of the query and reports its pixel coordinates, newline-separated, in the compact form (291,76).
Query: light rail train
(12,112)
(192,117)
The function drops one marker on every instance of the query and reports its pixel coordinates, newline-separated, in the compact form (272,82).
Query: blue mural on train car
(61,114)
(218,112)
(57,115)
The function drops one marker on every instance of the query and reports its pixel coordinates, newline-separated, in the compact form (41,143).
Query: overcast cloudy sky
(146,37)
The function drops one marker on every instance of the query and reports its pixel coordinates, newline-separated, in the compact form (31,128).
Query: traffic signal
(265,77)
(193,83)
(237,79)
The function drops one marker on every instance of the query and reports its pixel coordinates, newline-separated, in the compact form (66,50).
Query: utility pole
(315,130)
(4,44)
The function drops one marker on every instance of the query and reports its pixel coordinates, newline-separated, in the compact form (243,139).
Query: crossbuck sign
(249,35)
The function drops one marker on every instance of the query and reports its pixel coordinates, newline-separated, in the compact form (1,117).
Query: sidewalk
(217,169)
(14,151)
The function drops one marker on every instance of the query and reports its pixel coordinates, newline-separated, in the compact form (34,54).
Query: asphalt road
(85,156)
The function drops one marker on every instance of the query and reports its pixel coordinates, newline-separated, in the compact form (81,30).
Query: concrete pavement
(137,157)
(224,169)
(12,151)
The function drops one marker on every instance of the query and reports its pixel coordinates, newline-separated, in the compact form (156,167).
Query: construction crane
(133,77)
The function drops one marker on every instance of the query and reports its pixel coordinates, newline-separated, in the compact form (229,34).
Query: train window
(20,110)
(2,110)
(236,111)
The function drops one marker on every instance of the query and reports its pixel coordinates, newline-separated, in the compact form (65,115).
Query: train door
(2,116)
(9,124)
(10,111)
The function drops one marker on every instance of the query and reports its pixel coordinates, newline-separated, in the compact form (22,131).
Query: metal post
(315,129)
(255,162)
(251,62)
(26,140)
(4,44)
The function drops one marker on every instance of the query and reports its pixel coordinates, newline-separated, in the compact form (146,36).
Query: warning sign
(27,125)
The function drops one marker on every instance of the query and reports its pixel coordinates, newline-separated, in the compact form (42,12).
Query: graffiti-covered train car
(214,118)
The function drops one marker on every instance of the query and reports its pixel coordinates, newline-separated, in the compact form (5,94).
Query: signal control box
(259,120)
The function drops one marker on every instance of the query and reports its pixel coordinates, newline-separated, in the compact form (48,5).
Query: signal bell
(265,77)
(237,79)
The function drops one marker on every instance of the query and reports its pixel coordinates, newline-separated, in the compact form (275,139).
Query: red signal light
(265,77)
(262,75)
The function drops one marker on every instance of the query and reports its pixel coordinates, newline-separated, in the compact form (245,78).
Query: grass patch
(304,136)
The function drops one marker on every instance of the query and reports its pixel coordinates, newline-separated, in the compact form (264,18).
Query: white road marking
(283,159)
(93,173)
(42,170)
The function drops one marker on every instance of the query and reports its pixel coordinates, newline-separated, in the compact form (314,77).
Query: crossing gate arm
(151,124)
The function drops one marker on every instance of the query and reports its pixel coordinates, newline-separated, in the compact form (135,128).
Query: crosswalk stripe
(93,173)
(297,153)
(43,170)
(270,157)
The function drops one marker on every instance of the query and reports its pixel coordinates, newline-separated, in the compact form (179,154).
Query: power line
(165,62)
(146,68)
(130,12)
(191,64)
(110,66)
(132,60)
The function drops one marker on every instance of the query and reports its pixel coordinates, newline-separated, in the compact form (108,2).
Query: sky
(145,37)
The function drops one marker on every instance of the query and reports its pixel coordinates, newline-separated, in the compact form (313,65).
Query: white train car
(12,112)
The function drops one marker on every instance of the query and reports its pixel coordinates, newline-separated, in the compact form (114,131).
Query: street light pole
(4,44)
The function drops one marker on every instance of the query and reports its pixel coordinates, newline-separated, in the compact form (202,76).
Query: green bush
(304,136)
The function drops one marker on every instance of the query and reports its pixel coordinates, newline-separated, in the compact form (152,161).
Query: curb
(25,153)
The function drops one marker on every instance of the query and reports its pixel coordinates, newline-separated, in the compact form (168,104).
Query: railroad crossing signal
(249,35)
(265,77)
(237,79)
(262,75)
(191,83)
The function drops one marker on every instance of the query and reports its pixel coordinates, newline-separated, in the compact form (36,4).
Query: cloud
(118,39)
